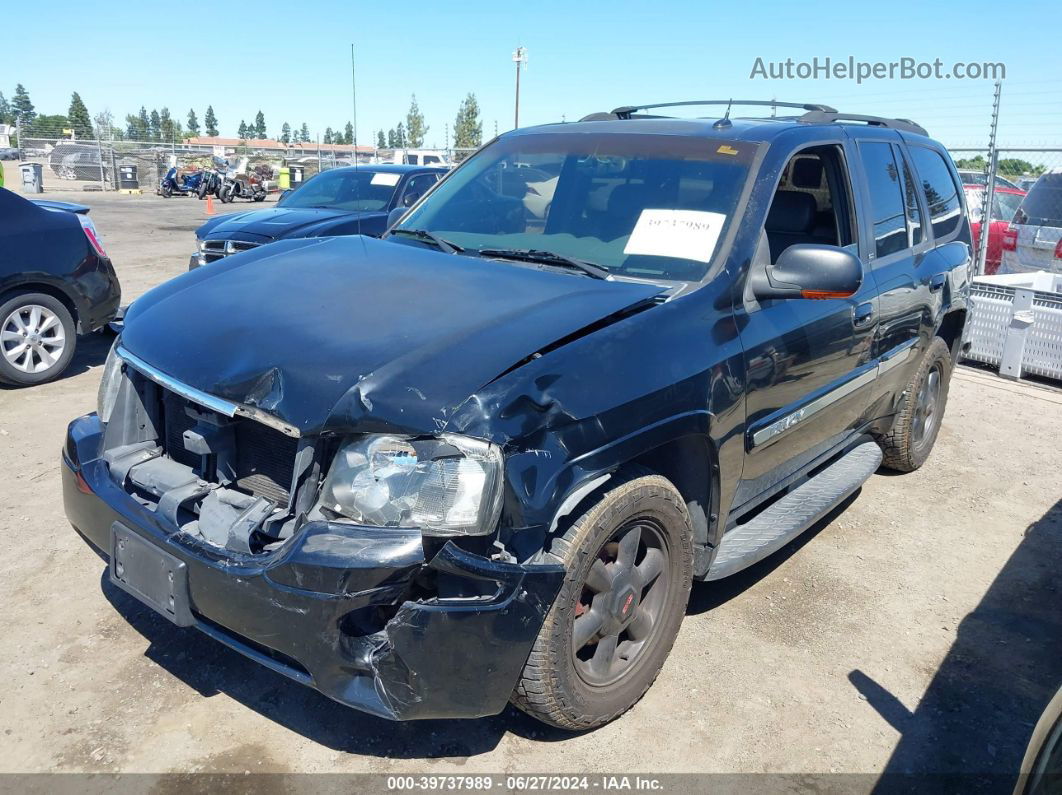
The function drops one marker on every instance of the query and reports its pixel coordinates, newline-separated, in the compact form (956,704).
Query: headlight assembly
(447,485)
(109,384)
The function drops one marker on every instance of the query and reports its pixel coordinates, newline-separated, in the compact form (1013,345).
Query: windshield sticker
(683,234)
(383,178)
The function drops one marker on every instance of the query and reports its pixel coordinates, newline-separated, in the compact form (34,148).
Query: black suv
(484,458)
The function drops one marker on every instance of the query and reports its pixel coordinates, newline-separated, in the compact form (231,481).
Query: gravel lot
(917,630)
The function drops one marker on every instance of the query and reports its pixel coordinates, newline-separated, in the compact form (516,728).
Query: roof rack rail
(830,116)
(626,111)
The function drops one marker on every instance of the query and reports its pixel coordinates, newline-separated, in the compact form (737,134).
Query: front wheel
(629,561)
(914,431)
(225,194)
(167,190)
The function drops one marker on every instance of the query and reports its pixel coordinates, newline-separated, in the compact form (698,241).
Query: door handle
(862,315)
(936,281)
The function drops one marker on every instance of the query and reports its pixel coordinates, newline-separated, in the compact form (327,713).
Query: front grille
(213,250)
(264,460)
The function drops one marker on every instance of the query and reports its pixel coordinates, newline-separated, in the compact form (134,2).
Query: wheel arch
(950,330)
(48,289)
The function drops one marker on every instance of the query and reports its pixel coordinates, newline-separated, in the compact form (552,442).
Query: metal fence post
(990,188)
(18,135)
(103,175)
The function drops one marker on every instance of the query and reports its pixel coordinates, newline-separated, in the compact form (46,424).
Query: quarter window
(942,195)
(886,198)
(914,212)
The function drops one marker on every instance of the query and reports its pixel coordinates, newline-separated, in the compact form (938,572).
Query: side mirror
(810,270)
(410,199)
(395,216)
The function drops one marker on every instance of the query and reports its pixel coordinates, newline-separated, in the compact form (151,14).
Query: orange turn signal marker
(819,295)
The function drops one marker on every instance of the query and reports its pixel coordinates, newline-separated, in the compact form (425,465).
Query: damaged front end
(222,517)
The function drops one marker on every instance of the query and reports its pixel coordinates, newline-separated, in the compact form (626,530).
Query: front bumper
(333,608)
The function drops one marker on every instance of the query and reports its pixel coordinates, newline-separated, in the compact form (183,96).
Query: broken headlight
(447,485)
(109,384)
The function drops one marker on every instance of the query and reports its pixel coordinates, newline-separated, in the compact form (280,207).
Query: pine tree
(22,106)
(285,133)
(210,121)
(143,125)
(327,136)
(155,125)
(259,125)
(349,133)
(304,133)
(168,129)
(415,127)
(400,136)
(6,116)
(78,116)
(193,122)
(468,129)
(242,132)
(392,140)
(381,142)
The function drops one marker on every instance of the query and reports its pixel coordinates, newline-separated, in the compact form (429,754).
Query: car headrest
(626,201)
(807,173)
(792,212)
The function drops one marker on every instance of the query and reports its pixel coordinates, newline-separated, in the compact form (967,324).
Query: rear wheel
(37,339)
(630,563)
(914,431)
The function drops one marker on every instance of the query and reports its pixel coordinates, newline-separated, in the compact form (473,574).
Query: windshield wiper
(431,237)
(547,258)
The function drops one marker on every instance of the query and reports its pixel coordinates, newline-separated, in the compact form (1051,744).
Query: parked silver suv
(1033,241)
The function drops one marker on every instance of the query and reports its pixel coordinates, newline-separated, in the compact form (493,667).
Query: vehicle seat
(791,220)
(625,205)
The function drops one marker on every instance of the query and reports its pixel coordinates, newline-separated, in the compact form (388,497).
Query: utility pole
(520,59)
(990,188)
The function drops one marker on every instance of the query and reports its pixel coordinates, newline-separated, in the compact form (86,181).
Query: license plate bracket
(152,575)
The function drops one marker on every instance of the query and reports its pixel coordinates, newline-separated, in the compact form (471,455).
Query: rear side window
(914,212)
(1043,205)
(942,194)
(886,198)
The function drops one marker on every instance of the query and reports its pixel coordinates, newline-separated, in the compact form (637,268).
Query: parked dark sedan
(354,200)
(56,281)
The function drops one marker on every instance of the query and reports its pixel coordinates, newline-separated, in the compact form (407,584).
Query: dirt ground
(916,630)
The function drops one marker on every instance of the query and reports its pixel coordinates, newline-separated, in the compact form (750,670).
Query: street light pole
(519,58)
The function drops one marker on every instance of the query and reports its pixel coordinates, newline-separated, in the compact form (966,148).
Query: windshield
(344,189)
(646,206)
(1043,204)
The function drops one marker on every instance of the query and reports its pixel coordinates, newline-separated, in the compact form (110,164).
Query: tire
(226,194)
(259,197)
(907,446)
(201,191)
(167,190)
(23,367)
(559,684)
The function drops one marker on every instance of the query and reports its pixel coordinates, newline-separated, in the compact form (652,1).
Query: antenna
(354,106)
(729,103)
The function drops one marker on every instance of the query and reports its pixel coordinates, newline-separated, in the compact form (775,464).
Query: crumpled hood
(356,333)
(275,223)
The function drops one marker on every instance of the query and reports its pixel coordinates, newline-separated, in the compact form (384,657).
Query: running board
(794,513)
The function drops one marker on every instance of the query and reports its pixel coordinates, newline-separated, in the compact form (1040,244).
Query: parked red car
(1005,203)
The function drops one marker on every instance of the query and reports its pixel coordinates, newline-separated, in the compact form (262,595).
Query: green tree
(259,125)
(285,133)
(400,136)
(1016,167)
(242,131)
(210,121)
(169,130)
(416,129)
(50,126)
(6,115)
(193,122)
(381,141)
(22,106)
(468,128)
(155,125)
(143,124)
(348,133)
(80,120)
(104,125)
(327,136)
(392,140)
(976,163)
(304,134)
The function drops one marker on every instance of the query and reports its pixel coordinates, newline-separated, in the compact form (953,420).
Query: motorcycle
(242,186)
(210,184)
(185,184)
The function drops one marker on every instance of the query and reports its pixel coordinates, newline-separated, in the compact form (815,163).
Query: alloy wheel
(32,339)
(620,607)
(926,414)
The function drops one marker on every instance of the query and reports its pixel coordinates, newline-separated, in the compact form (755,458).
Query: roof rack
(626,111)
(830,116)
(815,113)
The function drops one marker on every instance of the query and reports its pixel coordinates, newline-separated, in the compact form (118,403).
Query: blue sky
(583,56)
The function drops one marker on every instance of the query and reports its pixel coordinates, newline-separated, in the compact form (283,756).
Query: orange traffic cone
(210,205)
